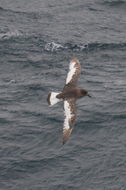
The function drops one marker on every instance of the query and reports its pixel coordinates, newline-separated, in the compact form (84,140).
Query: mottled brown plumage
(72,93)
(69,95)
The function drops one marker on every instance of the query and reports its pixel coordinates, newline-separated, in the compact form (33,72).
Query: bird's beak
(89,95)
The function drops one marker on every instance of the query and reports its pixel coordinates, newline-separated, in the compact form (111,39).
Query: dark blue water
(37,39)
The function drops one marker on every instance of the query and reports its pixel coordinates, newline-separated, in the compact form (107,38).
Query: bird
(69,95)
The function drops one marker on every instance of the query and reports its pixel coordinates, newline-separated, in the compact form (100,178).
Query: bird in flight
(69,96)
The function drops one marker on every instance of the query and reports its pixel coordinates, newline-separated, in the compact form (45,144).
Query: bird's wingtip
(74,59)
(66,134)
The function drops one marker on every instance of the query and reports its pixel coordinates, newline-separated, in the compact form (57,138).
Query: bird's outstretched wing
(70,116)
(73,74)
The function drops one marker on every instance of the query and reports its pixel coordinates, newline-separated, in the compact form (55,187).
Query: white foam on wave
(10,34)
(120,82)
(12,81)
(52,46)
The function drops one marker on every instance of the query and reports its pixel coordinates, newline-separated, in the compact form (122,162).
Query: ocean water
(37,40)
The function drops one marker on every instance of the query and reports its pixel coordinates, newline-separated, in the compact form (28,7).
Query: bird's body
(72,93)
(69,95)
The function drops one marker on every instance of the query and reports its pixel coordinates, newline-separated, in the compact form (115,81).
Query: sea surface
(37,40)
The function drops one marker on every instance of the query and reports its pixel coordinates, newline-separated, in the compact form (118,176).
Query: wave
(9,34)
(30,14)
(1,8)
(114,3)
(12,11)
(54,46)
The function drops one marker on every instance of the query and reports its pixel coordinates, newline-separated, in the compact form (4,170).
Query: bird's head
(85,93)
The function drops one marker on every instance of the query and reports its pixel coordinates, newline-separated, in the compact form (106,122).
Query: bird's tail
(52,99)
